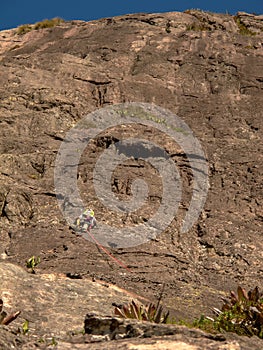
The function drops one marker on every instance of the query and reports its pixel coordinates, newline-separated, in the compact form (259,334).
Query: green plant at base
(32,263)
(25,327)
(204,323)
(54,342)
(150,312)
(242,313)
(47,342)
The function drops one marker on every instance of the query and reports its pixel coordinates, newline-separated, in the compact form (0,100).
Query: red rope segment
(108,253)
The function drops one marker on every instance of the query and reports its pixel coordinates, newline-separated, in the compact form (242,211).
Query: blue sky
(16,12)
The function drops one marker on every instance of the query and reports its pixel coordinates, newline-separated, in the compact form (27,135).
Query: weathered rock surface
(180,337)
(53,304)
(207,68)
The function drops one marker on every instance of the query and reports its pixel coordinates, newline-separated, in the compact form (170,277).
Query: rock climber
(86,220)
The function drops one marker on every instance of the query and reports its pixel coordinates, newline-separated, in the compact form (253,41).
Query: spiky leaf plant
(149,312)
(242,313)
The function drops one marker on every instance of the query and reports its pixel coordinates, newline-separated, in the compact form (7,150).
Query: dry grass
(46,23)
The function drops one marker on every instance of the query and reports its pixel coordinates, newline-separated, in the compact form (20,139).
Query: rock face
(180,337)
(54,305)
(206,68)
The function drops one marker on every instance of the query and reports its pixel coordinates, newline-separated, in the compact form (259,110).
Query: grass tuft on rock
(243,29)
(46,23)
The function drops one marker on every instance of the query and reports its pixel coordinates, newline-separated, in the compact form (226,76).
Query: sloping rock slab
(54,304)
(175,342)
